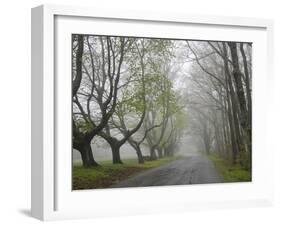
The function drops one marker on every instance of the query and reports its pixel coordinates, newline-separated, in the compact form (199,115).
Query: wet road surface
(188,170)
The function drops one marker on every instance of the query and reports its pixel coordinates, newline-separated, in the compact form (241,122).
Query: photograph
(152,111)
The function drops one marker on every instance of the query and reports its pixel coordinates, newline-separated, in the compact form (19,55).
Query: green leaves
(144,87)
(83,126)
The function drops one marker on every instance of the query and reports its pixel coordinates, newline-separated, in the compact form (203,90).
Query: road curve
(188,170)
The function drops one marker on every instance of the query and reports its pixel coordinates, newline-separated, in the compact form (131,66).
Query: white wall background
(15,111)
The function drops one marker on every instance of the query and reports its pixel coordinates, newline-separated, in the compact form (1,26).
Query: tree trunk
(116,159)
(87,155)
(244,118)
(249,102)
(218,141)
(160,152)
(166,151)
(247,83)
(137,148)
(169,151)
(237,75)
(79,54)
(231,109)
(235,115)
(207,147)
(139,154)
(153,154)
(206,139)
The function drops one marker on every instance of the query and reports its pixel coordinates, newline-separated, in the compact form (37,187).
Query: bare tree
(101,84)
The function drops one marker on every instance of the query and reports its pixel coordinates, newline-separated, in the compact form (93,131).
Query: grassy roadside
(108,174)
(230,173)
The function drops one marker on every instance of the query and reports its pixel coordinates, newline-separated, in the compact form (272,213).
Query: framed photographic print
(137,112)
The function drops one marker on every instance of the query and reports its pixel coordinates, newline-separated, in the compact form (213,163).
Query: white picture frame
(52,197)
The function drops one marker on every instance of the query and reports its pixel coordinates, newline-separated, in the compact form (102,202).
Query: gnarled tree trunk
(136,146)
(139,154)
(85,150)
(116,159)
(115,148)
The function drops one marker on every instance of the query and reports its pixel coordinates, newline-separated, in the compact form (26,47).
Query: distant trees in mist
(220,98)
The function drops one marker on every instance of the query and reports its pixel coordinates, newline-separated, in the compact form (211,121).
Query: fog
(181,91)
(188,147)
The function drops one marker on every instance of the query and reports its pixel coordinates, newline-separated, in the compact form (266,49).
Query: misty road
(188,170)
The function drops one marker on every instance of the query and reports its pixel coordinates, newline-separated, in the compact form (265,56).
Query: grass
(108,174)
(230,173)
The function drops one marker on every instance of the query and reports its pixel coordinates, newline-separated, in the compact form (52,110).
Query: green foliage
(244,159)
(82,125)
(132,101)
(144,86)
(181,121)
(230,173)
(145,59)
